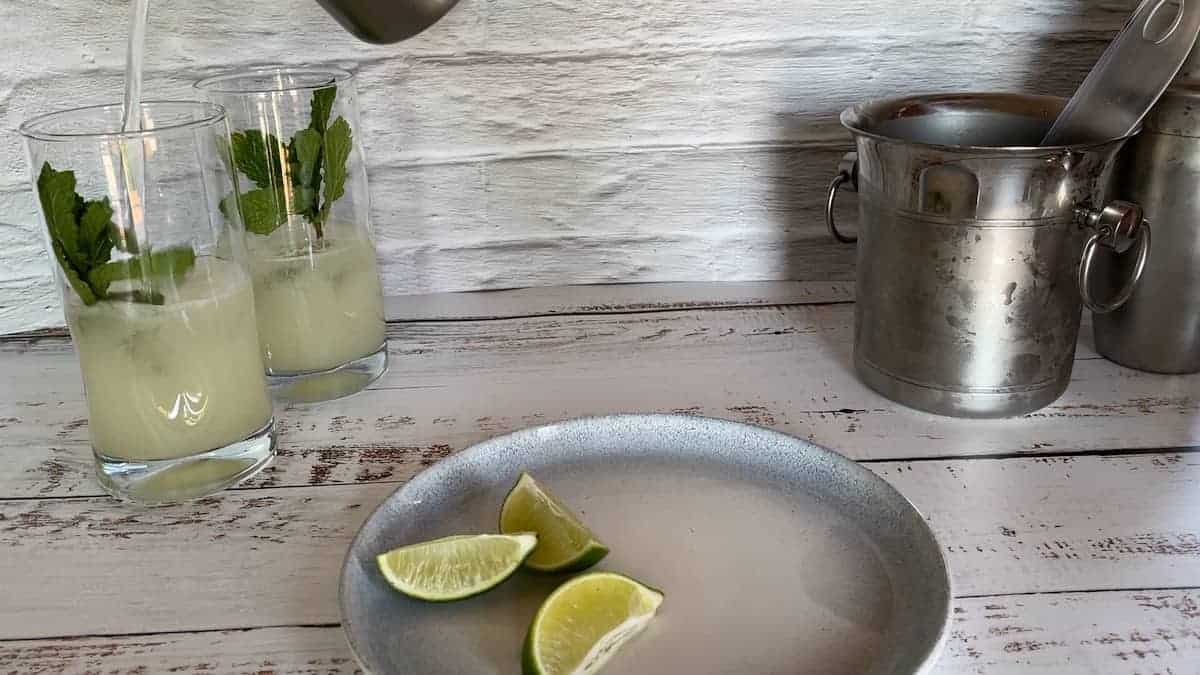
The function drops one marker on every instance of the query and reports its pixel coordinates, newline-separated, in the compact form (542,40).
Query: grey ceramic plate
(776,556)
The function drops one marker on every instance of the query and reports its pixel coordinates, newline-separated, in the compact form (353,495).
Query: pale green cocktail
(320,308)
(170,380)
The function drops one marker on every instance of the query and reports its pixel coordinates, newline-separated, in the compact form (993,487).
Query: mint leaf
(77,247)
(81,287)
(322,108)
(175,262)
(56,191)
(82,236)
(262,210)
(96,240)
(338,142)
(306,175)
(258,156)
(307,147)
(306,196)
(95,231)
(156,267)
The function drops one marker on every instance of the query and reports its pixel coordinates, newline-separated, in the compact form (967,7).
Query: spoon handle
(1131,74)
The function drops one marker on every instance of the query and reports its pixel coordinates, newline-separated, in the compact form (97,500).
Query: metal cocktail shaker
(386,21)
(1158,329)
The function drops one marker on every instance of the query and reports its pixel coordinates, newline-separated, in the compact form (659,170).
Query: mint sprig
(338,142)
(314,157)
(82,235)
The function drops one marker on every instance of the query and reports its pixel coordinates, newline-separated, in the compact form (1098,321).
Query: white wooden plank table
(1073,533)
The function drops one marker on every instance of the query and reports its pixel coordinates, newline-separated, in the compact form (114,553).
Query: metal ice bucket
(975,249)
(1159,328)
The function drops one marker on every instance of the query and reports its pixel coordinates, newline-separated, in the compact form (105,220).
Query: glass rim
(214,113)
(333,76)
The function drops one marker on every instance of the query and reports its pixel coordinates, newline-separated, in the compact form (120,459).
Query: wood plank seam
(1150,589)
(337,624)
(241,629)
(1189,450)
(617,310)
(1116,452)
(62,333)
(238,488)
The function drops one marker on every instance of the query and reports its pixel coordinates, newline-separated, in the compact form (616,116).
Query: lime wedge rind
(548,651)
(593,553)
(455,568)
(565,544)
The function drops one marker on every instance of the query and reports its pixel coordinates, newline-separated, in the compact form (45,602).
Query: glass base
(326,385)
(168,481)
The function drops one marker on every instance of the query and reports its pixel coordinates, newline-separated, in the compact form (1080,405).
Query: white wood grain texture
(547,85)
(455,383)
(1127,633)
(267,557)
(1115,633)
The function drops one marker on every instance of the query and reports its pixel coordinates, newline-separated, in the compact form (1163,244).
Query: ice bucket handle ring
(1118,226)
(848,176)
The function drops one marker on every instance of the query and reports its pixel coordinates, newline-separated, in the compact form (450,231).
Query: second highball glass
(297,148)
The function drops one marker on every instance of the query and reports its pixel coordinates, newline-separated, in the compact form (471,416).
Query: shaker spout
(386,21)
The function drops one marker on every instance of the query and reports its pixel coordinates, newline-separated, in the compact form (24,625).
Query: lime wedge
(455,568)
(583,623)
(564,543)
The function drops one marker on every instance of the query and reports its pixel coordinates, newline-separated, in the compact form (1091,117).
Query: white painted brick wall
(537,142)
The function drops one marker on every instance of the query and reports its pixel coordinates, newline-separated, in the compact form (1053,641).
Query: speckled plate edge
(472,453)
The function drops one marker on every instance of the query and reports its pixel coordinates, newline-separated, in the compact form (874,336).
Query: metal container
(970,247)
(1159,328)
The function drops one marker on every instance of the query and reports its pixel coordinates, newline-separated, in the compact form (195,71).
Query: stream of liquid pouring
(132,151)
(130,117)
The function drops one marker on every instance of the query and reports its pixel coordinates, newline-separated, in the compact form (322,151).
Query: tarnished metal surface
(1159,328)
(968,250)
